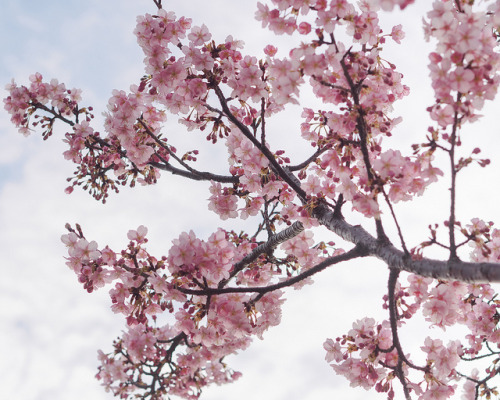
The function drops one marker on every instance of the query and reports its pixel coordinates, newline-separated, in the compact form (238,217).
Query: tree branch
(193,172)
(451,222)
(356,252)
(198,176)
(52,111)
(261,146)
(309,160)
(273,242)
(394,258)
(393,318)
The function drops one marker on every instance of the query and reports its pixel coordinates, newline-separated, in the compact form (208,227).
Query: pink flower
(199,35)
(469,388)
(270,50)
(397,33)
(365,205)
(419,286)
(389,163)
(85,250)
(362,329)
(138,235)
(333,351)
(443,115)
(183,250)
(263,14)
(462,80)
(70,239)
(437,392)
(222,202)
(312,185)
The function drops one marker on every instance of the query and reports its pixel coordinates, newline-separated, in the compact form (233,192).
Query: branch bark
(482,272)
(273,242)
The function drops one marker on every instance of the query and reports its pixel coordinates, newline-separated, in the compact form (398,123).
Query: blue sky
(51,329)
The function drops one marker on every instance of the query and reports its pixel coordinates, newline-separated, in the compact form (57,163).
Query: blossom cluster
(206,327)
(485,241)
(335,74)
(23,101)
(122,126)
(217,89)
(125,151)
(183,65)
(464,68)
(367,357)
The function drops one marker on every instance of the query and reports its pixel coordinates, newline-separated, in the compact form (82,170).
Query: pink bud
(304,28)
(435,58)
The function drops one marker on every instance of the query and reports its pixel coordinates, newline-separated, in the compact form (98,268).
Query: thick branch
(394,258)
(273,242)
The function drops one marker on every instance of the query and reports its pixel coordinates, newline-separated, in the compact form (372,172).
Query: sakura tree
(207,297)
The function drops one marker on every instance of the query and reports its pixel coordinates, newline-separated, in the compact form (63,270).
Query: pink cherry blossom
(138,235)
(213,292)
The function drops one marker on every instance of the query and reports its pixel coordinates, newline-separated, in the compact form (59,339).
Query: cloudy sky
(50,329)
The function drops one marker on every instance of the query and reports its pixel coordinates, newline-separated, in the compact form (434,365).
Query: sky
(50,328)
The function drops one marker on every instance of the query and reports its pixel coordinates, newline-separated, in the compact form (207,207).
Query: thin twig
(400,233)
(451,222)
(201,174)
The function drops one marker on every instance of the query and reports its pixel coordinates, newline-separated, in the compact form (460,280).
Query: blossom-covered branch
(221,291)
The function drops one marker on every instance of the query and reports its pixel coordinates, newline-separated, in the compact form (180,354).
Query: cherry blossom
(209,295)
